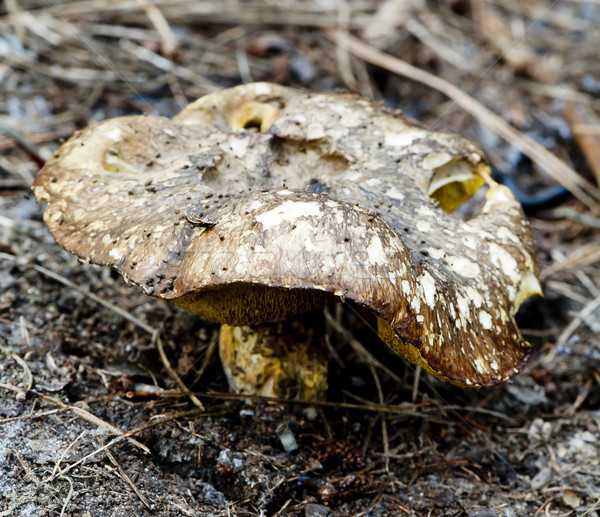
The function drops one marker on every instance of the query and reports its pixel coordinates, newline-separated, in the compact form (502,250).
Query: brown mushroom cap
(261,201)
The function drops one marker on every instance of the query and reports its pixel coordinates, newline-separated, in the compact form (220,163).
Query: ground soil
(76,374)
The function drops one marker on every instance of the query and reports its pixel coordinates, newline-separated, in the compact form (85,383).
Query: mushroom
(261,202)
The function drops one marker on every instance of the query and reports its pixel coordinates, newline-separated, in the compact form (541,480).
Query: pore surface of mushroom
(261,202)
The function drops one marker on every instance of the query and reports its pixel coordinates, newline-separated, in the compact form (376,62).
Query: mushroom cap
(261,201)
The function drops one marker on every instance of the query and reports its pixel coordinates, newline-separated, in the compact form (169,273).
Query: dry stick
(560,171)
(12,6)
(30,415)
(64,454)
(27,470)
(28,375)
(93,419)
(154,14)
(578,217)
(384,433)
(366,406)
(128,480)
(173,373)
(415,388)
(576,321)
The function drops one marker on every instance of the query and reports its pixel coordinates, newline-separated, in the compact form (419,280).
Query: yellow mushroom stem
(282,359)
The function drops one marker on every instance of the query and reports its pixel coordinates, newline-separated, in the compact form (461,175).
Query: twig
(560,171)
(578,217)
(576,321)
(64,453)
(384,433)
(162,63)
(415,388)
(12,6)
(93,419)
(173,373)
(41,414)
(128,480)
(343,56)
(28,375)
(366,406)
(169,40)
(27,470)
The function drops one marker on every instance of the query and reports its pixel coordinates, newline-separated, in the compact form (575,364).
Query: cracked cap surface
(261,201)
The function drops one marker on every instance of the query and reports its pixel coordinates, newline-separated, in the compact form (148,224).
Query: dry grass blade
(560,171)
(69,495)
(294,13)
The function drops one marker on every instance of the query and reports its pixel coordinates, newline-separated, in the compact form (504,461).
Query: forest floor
(91,423)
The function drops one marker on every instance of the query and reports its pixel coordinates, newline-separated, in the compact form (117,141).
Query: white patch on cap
(288,211)
(485,318)
(375,251)
(426,211)
(373,182)
(255,205)
(115,253)
(436,253)
(480,365)
(415,304)
(464,267)
(505,234)
(435,160)
(394,194)
(401,139)
(420,318)
(493,364)
(423,226)
(354,175)
(429,289)
(470,242)
(238,146)
(406,290)
(474,296)
(114,134)
(503,260)
(314,131)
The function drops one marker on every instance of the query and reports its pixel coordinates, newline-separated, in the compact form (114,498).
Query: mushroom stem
(283,359)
